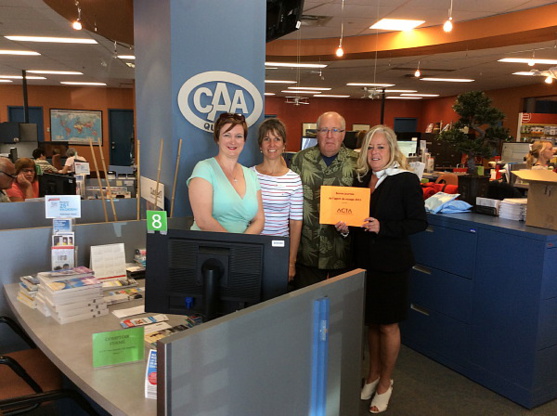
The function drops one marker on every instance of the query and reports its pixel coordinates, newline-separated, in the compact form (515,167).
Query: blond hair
(534,154)
(396,156)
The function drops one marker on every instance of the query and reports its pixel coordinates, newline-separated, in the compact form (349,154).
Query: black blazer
(398,204)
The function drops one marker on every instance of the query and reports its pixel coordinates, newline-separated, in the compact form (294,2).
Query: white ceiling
(98,62)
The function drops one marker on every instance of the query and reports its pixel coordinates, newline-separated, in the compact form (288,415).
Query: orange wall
(73,98)
(439,110)
(355,111)
(510,100)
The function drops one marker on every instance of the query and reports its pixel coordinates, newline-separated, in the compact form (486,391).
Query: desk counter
(119,389)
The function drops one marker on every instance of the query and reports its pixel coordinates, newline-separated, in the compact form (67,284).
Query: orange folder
(344,203)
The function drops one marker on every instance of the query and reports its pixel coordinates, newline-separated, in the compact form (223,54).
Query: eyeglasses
(13,177)
(325,130)
(235,116)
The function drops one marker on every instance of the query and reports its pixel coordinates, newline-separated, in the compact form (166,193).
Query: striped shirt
(282,201)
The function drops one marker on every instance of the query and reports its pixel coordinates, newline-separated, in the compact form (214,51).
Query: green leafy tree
(478,132)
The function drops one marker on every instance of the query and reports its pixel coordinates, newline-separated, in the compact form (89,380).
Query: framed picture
(309,129)
(358,127)
(76,126)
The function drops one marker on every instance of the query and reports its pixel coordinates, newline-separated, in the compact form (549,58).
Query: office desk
(119,389)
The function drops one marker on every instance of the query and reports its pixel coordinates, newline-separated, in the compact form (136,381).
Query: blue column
(194,60)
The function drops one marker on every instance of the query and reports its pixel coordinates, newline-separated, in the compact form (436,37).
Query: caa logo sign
(207,94)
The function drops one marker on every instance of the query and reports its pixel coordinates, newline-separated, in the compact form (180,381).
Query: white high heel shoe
(369,389)
(381,401)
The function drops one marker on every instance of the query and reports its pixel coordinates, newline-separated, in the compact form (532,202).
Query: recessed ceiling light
(269,93)
(368,84)
(9,52)
(278,81)
(131,57)
(294,65)
(310,88)
(91,84)
(332,96)
(529,60)
(419,95)
(301,92)
(525,73)
(397,24)
(404,98)
(19,77)
(447,79)
(37,71)
(400,91)
(50,39)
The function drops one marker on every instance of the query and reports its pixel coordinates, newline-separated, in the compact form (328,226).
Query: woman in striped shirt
(281,189)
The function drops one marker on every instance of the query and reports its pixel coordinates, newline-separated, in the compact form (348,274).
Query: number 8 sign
(156,221)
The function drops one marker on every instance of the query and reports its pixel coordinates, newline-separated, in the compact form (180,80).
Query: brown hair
(232,119)
(273,125)
(24,163)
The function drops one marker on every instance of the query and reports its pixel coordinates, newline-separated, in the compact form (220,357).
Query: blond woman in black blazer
(382,247)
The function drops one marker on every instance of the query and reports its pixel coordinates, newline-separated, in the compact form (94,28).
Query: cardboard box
(541,210)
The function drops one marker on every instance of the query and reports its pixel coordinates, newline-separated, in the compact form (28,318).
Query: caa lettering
(207,94)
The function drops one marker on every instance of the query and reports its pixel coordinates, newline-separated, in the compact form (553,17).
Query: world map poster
(76,126)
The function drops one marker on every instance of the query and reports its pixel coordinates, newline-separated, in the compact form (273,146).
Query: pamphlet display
(109,261)
(118,347)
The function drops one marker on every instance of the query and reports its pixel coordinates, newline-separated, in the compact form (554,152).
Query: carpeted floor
(423,387)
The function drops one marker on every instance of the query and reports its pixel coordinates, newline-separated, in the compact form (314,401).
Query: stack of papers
(513,209)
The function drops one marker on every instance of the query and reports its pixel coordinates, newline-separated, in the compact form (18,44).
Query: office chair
(28,379)
(448,178)
(57,161)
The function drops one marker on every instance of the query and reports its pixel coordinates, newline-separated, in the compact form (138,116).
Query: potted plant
(478,132)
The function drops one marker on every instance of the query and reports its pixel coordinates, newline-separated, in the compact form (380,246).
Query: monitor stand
(211,271)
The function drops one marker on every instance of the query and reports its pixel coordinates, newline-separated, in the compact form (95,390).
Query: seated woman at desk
(224,195)
(69,166)
(540,154)
(26,185)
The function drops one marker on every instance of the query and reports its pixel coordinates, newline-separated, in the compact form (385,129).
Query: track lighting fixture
(76,24)
(418,73)
(532,62)
(340,52)
(448,25)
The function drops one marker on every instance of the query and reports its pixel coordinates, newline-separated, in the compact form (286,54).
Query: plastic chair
(448,178)
(28,379)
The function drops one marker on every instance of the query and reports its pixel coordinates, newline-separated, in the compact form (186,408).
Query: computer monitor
(351,139)
(283,17)
(56,184)
(308,142)
(213,273)
(514,152)
(408,147)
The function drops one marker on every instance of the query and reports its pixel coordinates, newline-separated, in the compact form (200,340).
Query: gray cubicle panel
(31,213)
(258,361)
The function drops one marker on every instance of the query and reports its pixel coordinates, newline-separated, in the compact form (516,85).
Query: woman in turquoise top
(224,195)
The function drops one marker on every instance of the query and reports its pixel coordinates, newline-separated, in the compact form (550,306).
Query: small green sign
(156,221)
(117,347)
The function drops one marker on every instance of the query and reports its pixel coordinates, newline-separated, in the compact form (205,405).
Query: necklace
(230,176)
